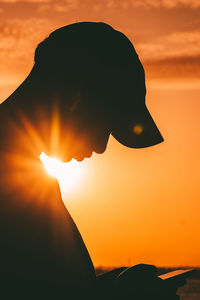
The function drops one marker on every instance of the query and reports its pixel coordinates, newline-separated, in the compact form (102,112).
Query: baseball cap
(97,51)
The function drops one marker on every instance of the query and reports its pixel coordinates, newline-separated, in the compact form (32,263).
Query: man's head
(95,77)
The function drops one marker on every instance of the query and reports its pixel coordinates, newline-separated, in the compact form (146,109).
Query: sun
(67,174)
(53,166)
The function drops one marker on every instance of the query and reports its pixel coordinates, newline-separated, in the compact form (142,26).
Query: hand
(141,282)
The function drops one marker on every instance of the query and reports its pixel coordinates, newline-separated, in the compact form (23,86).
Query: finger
(110,275)
(139,272)
(175,284)
(146,268)
(180,282)
(171,297)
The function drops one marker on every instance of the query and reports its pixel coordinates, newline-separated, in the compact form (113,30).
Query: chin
(82,157)
(79,159)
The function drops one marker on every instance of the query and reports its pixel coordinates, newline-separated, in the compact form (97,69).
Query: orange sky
(132,205)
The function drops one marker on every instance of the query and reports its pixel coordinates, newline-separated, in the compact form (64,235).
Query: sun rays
(67,174)
(30,139)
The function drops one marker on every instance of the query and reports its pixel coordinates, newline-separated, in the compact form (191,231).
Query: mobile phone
(177,275)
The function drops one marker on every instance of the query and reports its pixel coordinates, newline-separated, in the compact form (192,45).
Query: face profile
(91,74)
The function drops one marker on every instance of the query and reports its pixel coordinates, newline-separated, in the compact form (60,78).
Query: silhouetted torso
(40,244)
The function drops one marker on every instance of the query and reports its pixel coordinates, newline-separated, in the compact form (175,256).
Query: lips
(89,155)
(67,157)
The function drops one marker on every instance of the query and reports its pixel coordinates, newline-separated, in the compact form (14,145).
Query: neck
(20,145)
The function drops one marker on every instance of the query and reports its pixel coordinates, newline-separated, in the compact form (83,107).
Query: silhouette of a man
(87,82)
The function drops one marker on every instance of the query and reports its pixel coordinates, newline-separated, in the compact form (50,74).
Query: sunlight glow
(67,174)
(53,166)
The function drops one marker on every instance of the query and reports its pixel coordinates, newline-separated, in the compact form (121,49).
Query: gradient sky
(132,205)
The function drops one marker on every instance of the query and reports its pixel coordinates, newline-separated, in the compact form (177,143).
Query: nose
(101,144)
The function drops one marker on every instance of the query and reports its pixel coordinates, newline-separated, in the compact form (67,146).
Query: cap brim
(138,130)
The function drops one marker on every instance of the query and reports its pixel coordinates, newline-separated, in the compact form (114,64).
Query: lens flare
(67,174)
(137,129)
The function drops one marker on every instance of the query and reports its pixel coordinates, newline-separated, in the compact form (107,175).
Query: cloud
(176,55)
(178,52)
(66,5)
(44,5)
(162,3)
(27,1)
(19,39)
(174,45)
(127,4)
(183,67)
(17,36)
(61,6)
